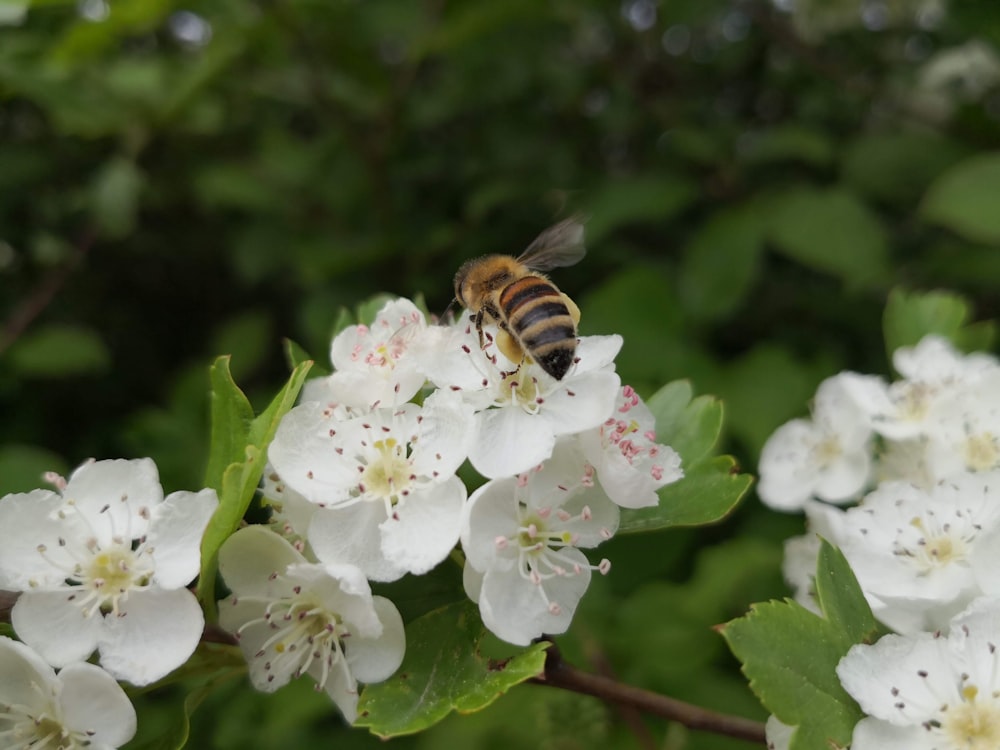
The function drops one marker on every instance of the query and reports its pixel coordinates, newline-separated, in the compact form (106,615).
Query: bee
(534,317)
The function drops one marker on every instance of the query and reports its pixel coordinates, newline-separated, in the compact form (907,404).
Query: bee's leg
(510,348)
(479,328)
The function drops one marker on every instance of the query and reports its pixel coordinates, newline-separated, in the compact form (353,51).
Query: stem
(562,675)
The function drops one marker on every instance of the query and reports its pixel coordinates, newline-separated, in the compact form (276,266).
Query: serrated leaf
(840,597)
(443,671)
(707,494)
(909,316)
(689,426)
(963,199)
(239,479)
(790,656)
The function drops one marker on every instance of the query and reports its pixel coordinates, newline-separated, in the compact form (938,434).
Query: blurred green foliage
(179,181)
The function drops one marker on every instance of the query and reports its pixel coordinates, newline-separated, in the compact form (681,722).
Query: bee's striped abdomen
(539,319)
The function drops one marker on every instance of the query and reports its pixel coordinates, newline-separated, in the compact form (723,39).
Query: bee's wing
(559,245)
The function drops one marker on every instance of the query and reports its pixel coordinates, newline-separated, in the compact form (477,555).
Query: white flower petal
(92,701)
(583,402)
(156,633)
(508,441)
(351,535)
(175,532)
(342,688)
(27,679)
(425,528)
(122,491)
(55,627)
(304,454)
(514,609)
(375,659)
(490,513)
(27,521)
(248,558)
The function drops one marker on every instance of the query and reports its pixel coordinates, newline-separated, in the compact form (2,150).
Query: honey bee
(534,317)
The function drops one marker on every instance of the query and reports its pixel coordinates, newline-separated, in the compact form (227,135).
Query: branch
(562,675)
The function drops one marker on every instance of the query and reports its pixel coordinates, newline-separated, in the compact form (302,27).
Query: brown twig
(562,675)
(42,295)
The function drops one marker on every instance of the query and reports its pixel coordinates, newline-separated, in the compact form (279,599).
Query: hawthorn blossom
(631,466)
(385,482)
(293,617)
(930,691)
(80,708)
(827,457)
(520,409)
(373,365)
(103,563)
(912,550)
(522,538)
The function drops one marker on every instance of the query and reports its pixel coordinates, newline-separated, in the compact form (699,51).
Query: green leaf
(788,143)
(840,597)
(242,441)
(897,166)
(721,262)
(231,417)
(296,354)
(689,426)
(653,198)
(59,351)
(444,671)
(963,199)
(790,656)
(830,231)
(909,316)
(247,338)
(707,494)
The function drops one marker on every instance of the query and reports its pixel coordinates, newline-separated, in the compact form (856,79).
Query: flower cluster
(102,564)
(363,471)
(918,463)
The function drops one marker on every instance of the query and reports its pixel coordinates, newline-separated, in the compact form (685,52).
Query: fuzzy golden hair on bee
(534,318)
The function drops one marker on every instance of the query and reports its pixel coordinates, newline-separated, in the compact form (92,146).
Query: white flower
(966,433)
(930,691)
(934,372)
(81,708)
(828,457)
(912,550)
(373,365)
(103,564)
(631,466)
(521,410)
(521,538)
(293,617)
(386,481)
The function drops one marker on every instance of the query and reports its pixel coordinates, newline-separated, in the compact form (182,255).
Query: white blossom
(390,500)
(912,550)
(520,410)
(930,691)
(81,708)
(827,457)
(631,466)
(374,365)
(522,538)
(103,564)
(293,617)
